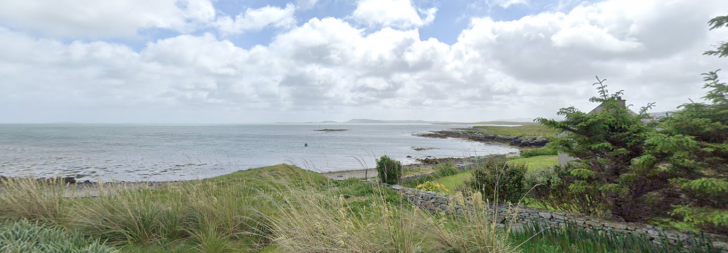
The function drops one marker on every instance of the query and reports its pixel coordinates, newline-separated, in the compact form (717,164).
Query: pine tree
(605,144)
(722,49)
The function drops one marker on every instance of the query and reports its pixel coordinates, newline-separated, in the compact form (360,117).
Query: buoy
(305,144)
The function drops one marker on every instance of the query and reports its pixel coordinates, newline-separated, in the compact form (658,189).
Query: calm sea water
(183,152)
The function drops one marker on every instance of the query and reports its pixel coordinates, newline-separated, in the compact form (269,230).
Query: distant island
(331,130)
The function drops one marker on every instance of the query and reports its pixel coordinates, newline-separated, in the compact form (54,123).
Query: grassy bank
(527,130)
(273,209)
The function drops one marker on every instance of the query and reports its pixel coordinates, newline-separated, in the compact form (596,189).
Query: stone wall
(519,216)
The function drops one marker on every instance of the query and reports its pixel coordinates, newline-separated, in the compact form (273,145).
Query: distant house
(565,158)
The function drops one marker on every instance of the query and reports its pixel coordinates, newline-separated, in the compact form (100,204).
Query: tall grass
(309,221)
(570,238)
(472,227)
(31,199)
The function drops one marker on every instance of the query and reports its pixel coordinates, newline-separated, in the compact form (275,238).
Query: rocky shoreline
(518,141)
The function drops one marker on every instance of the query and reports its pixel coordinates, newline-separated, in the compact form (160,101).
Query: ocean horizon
(172,152)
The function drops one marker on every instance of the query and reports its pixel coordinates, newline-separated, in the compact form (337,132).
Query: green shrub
(23,236)
(555,188)
(389,171)
(498,180)
(432,187)
(538,152)
(446,169)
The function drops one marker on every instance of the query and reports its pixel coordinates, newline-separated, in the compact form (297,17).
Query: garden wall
(519,215)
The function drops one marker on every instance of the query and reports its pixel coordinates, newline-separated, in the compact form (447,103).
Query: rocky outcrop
(522,216)
(519,141)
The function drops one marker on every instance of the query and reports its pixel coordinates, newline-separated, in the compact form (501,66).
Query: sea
(135,152)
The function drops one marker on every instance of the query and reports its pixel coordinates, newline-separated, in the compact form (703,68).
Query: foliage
(23,236)
(527,130)
(556,188)
(498,180)
(606,142)
(432,187)
(571,238)
(389,170)
(693,148)
(722,49)
(538,151)
(446,169)
(712,219)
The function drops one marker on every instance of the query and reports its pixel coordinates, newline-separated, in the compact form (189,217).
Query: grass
(536,162)
(570,238)
(528,130)
(454,181)
(273,209)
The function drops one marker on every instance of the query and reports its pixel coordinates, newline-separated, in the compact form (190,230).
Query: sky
(257,61)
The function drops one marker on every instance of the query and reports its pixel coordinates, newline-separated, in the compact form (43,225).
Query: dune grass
(273,209)
(527,130)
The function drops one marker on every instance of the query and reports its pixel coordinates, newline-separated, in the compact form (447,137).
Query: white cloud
(507,3)
(392,13)
(104,19)
(257,19)
(330,69)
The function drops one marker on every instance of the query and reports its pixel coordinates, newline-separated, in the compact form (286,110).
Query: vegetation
(528,130)
(555,188)
(446,169)
(498,180)
(432,187)
(23,236)
(536,162)
(455,183)
(676,168)
(539,151)
(389,170)
(722,49)
(570,238)
(605,143)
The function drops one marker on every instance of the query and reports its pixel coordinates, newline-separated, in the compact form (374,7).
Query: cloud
(507,3)
(257,19)
(392,13)
(329,68)
(104,19)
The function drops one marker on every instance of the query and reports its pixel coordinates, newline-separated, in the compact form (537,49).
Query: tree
(605,144)
(722,48)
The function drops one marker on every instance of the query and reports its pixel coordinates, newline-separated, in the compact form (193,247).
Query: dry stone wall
(519,216)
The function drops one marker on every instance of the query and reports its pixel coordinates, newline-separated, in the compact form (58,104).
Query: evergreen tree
(722,49)
(605,144)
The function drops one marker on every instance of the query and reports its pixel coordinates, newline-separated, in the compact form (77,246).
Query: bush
(23,236)
(498,180)
(432,187)
(538,152)
(389,171)
(552,188)
(446,169)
